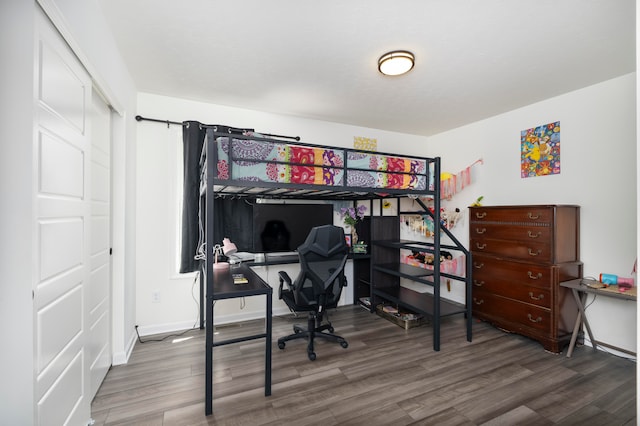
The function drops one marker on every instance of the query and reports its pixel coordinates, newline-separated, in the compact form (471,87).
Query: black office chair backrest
(323,256)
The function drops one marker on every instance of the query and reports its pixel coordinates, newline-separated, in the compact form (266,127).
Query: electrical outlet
(155,296)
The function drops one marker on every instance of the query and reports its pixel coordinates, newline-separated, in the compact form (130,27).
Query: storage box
(402,319)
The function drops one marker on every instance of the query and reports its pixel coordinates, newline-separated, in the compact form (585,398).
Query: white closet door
(62,180)
(99,288)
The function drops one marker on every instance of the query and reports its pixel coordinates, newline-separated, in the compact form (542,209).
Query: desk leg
(581,319)
(202,284)
(267,354)
(574,336)
(208,376)
(585,321)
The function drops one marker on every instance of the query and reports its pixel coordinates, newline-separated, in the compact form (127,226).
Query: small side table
(580,290)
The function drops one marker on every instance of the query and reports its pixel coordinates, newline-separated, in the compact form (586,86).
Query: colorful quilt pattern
(262,161)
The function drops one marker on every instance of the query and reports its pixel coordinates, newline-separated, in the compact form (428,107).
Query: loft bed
(254,166)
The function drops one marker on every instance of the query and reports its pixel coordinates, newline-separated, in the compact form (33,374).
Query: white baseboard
(149,330)
(120,358)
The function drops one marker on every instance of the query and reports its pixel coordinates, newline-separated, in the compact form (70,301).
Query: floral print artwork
(540,151)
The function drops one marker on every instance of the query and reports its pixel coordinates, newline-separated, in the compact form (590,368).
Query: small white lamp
(226,248)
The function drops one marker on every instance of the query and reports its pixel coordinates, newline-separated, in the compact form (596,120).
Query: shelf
(414,245)
(403,270)
(418,302)
(387,270)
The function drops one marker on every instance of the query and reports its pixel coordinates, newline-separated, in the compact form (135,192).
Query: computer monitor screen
(284,227)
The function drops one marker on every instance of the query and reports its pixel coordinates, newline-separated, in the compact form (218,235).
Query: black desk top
(293,258)
(224,288)
(611,291)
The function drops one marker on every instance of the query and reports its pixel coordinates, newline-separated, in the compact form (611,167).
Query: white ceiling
(318,59)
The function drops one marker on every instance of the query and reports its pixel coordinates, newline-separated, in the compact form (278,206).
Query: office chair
(317,288)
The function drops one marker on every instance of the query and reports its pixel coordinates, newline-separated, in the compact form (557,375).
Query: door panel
(62,405)
(62,231)
(61,167)
(60,246)
(99,289)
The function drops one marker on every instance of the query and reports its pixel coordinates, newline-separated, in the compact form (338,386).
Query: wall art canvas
(367,144)
(540,151)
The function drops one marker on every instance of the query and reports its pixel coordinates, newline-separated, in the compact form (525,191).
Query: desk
(220,286)
(580,292)
(271,260)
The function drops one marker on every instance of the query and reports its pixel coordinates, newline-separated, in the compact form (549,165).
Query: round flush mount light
(397,62)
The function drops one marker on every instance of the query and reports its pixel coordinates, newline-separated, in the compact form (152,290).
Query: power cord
(195,280)
(165,337)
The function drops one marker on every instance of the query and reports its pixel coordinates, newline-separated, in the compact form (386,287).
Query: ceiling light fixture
(397,62)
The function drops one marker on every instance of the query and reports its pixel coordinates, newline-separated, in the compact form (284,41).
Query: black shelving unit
(386,272)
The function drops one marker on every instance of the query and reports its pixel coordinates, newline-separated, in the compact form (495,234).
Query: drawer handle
(481,231)
(539,319)
(533,216)
(478,283)
(532,235)
(534,253)
(534,277)
(481,215)
(478,302)
(536,298)
(478,265)
(480,246)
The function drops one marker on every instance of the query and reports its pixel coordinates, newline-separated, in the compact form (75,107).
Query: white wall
(17,30)
(598,172)
(156,179)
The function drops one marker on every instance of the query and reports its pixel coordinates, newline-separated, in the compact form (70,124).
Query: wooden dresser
(520,254)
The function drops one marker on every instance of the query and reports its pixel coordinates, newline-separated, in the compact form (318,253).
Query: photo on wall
(540,151)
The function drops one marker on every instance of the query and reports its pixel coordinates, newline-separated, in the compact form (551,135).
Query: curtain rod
(155,120)
(206,126)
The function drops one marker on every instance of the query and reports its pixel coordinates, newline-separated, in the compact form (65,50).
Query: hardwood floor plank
(387,375)
(521,416)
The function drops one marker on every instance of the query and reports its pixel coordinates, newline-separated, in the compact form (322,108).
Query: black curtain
(233,217)
(192,141)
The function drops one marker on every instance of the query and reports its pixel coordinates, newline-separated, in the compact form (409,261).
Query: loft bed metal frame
(212,187)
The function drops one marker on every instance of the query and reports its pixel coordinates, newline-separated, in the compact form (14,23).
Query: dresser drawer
(505,271)
(531,251)
(512,215)
(540,234)
(490,268)
(520,292)
(518,314)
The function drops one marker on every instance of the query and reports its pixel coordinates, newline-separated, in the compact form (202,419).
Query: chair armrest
(284,277)
(341,278)
(343,281)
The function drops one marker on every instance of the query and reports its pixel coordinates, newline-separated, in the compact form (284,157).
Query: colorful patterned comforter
(277,162)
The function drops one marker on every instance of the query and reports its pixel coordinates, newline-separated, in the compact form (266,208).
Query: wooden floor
(386,376)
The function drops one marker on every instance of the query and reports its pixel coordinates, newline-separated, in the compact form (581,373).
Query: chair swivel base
(310,333)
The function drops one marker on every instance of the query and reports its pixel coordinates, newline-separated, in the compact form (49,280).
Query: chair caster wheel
(331,330)
(312,356)
(281,345)
(344,345)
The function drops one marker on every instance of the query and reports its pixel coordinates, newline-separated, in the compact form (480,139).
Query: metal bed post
(436,254)
(209,239)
